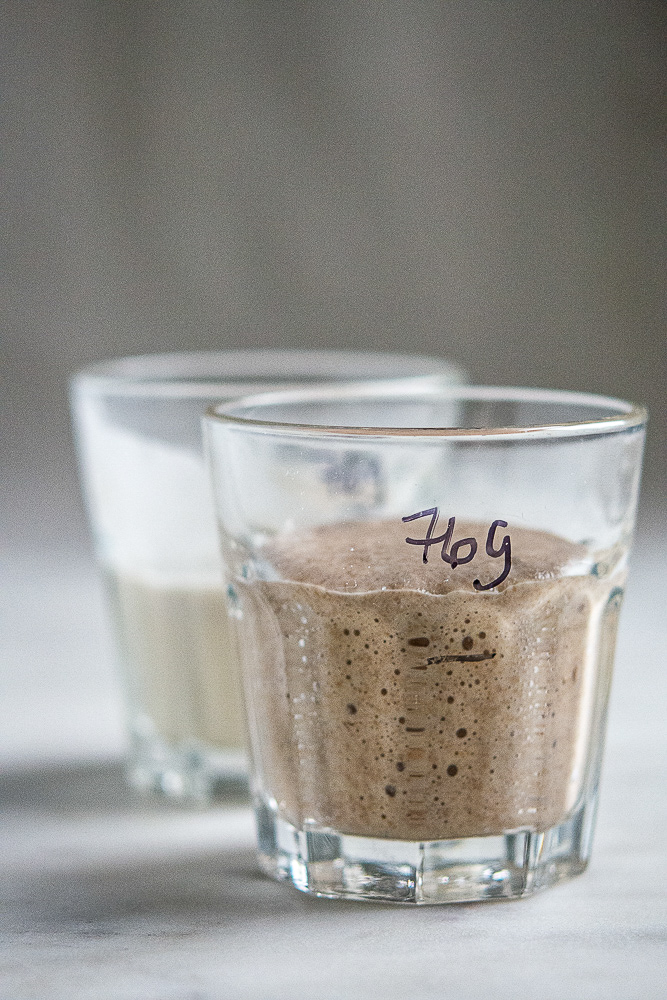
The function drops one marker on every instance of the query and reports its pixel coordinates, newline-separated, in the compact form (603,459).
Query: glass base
(190,774)
(340,866)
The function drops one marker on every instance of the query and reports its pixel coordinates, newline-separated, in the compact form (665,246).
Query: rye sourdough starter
(391,699)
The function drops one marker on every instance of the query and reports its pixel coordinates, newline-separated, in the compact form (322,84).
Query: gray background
(475,180)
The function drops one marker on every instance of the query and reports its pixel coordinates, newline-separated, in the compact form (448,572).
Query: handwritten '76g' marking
(452,554)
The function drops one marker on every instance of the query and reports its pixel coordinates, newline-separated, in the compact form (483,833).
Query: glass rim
(192,374)
(626,415)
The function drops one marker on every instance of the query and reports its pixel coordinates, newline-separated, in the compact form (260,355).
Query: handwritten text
(465,549)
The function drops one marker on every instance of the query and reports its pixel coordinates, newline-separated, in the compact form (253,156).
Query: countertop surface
(107,896)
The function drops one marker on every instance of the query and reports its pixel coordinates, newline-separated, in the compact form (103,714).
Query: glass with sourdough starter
(425,586)
(138,424)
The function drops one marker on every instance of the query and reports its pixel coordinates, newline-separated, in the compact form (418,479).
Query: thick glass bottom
(192,774)
(339,866)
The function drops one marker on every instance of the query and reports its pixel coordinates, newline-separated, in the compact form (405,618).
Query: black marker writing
(460,658)
(429,540)
(505,549)
(450,553)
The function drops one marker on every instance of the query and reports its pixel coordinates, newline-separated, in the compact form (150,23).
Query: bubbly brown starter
(392,699)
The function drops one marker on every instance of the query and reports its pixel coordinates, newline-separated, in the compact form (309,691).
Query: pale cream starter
(181,661)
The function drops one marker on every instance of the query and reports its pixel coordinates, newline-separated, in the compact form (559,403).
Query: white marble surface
(106,897)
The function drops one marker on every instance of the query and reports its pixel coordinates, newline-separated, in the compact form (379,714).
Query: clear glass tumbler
(426,587)
(138,427)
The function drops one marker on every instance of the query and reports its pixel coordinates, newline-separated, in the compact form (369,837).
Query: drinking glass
(138,428)
(425,584)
